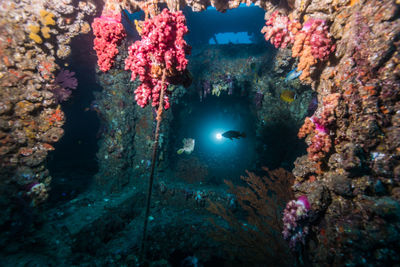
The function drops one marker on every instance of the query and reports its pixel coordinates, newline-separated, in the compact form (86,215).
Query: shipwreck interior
(271,139)
(236,85)
(199,133)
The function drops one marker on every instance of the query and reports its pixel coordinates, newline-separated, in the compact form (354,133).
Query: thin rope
(153,164)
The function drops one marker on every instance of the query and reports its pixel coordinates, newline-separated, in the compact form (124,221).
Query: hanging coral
(162,47)
(109,31)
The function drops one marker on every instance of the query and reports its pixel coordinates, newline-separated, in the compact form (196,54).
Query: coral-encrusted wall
(34,35)
(354,190)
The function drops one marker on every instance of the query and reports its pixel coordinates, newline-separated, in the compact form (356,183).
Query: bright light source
(219,136)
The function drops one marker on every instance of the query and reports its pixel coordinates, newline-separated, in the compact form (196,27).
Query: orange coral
(302,49)
(56,116)
(26,151)
(47,146)
(311,43)
(306,62)
(298,44)
(307,128)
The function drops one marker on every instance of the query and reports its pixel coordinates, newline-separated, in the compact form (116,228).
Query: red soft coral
(109,31)
(162,47)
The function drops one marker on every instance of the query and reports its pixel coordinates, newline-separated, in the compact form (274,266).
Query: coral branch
(62,85)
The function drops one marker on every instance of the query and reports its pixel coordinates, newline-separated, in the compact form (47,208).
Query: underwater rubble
(327,75)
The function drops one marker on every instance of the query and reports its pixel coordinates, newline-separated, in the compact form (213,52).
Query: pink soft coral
(109,31)
(318,128)
(319,37)
(280,30)
(295,227)
(162,47)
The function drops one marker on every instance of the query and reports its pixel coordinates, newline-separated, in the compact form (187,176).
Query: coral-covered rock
(52,135)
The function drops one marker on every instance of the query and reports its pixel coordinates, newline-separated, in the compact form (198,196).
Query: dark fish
(233,134)
(312,106)
(129,26)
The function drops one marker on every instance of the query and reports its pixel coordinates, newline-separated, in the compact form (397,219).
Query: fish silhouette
(234,134)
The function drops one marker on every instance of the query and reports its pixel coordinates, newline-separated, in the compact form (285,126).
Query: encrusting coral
(34,32)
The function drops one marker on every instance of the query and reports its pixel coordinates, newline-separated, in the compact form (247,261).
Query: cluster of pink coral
(295,228)
(280,30)
(312,43)
(108,31)
(319,38)
(320,145)
(320,142)
(162,46)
